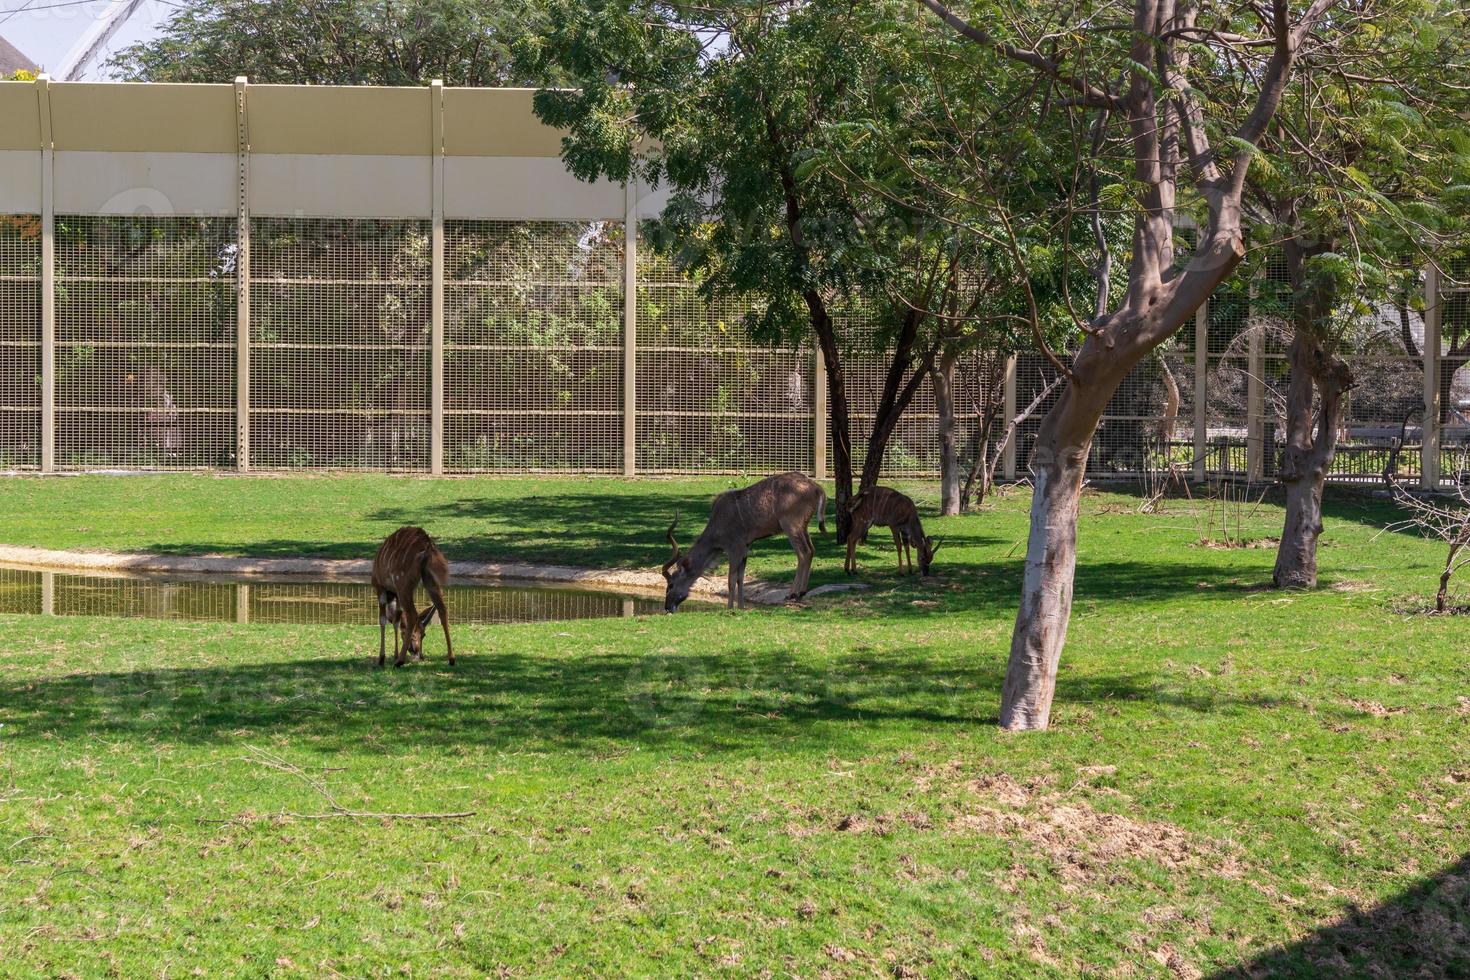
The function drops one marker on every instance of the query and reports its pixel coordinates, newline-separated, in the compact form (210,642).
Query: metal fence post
(242,279)
(1201,387)
(48,280)
(1433,327)
(819,413)
(1255,411)
(1008,458)
(630,327)
(436,290)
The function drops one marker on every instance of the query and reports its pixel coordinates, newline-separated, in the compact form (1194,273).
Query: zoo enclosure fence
(286,277)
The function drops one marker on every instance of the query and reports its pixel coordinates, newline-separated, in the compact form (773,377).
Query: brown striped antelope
(886,507)
(782,503)
(408,557)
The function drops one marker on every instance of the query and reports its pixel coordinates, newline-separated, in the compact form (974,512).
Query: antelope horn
(675,546)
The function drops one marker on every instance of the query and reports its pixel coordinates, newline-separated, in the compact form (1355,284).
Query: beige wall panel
(651,203)
(143,118)
(20,181)
(339,120)
(495,122)
(144,183)
(20,116)
(526,188)
(286,185)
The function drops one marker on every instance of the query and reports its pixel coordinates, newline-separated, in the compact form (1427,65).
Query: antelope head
(413,630)
(679,575)
(927,549)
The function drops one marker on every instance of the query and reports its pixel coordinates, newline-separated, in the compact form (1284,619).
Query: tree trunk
(1296,556)
(1169,418)
(942,378)
(978,479)
(899,387)
(1058,466)
(1311,439)
(841,427)
(1449,366)
(1442,597)
(1311,445)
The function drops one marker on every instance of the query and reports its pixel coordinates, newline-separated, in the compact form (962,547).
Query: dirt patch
(1083,842)
(1417,606)
(1373,708)
(1237,544)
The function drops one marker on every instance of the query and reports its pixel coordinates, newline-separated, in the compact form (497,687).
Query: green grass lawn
(1236,779)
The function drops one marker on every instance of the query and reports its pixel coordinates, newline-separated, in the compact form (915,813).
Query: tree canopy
(337,42)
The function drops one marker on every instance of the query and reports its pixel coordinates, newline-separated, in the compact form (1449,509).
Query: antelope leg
(437,597)
(801,544)
(805,571)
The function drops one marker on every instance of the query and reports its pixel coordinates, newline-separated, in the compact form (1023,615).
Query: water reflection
(28,591)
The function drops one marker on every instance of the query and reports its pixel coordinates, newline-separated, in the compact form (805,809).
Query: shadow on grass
(1423,932)
(591,528)
(740,700)
(1339,502)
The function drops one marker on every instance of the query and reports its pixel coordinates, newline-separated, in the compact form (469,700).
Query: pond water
(293,600)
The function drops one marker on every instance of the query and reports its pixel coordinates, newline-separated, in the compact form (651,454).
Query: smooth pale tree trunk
(1046,592)
(1311,445)
(1167,129)
(949,457)
(1058,466)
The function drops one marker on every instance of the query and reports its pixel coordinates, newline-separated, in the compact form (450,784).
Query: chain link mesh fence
(145,346)
(339,334)
(20,342)
(534,347)
(533,362)
(709,399)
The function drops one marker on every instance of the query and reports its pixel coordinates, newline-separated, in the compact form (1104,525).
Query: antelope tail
(821,510)
(426,574)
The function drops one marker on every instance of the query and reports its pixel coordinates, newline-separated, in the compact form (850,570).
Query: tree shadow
(742,699)
(1423,932)
(602,529)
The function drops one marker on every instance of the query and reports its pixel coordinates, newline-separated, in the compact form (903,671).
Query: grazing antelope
(408,557)
(886,507)
(782,503)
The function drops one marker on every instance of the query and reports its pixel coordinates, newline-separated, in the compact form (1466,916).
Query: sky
(55,33)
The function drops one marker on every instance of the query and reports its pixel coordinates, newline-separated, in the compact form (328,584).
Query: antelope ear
(426,618)
(933,546)
(684,564)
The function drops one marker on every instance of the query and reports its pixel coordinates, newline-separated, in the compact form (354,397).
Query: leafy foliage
(336,42)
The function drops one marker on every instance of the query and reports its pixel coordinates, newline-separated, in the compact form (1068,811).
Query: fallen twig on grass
(367,815)
(354,814)
(272,761)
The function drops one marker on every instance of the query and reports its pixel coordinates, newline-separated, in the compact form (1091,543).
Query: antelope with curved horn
(886,507)
(778,504)
(407,558)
